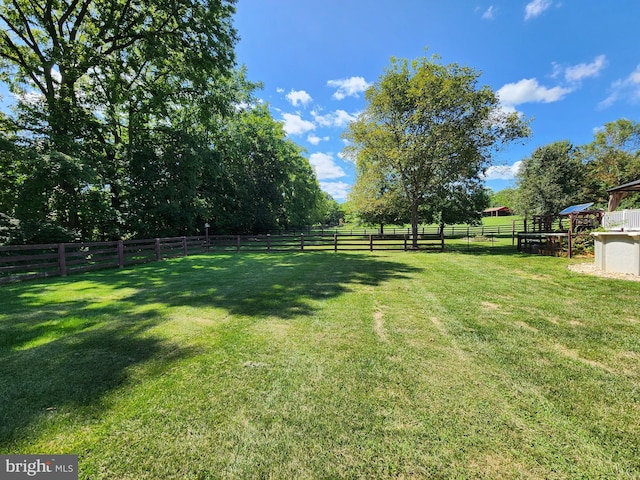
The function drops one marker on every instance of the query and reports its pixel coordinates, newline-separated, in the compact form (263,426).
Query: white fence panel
(624,220)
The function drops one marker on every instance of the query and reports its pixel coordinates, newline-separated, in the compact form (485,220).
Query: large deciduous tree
(428,129)
(95,77)
(551,179)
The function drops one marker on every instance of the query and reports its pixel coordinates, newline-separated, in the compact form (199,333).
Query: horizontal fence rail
(323,241)
(449,231)
(20,262)
(23,262)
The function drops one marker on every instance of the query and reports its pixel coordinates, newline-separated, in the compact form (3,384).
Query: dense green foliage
(132,120)
(502,198)
(560,174)
(424,139)
(612,159)
(551,179)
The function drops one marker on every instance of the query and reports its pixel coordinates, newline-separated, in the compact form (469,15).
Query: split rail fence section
(22,262)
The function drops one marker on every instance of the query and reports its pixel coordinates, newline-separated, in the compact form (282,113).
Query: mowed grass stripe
(323,365)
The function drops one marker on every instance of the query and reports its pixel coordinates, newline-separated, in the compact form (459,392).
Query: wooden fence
(450,231)
(323,241)
(22,262)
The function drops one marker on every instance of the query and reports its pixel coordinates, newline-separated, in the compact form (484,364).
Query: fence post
(237,243)
(570,252)
(442,240)
(120,253)
(302,242)
(371,243)
(62,261)
(405,242)
(158,252)
(513,232)
(268,242)
(335,242)
(184,246)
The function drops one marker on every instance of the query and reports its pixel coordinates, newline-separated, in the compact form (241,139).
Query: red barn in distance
(496,212)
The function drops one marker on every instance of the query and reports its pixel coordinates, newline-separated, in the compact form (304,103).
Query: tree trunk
(414,226)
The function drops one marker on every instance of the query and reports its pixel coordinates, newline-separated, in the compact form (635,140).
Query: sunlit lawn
(477,363)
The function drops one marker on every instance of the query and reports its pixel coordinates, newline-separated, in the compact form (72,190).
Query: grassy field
(324,365)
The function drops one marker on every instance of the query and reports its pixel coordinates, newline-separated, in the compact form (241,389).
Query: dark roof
(627,187)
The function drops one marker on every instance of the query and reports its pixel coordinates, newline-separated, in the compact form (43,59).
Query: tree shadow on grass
(484,248)
(280,285)
(50,369)
(61,355)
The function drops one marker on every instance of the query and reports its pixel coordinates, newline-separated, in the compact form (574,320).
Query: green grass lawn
(325,365)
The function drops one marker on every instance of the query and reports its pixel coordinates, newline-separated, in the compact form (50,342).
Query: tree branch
(78,21)
(34,43)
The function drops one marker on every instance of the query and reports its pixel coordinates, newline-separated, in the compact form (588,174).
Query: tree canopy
(560,174)
(612,159)
(551,179)
(426,135)
(133,120)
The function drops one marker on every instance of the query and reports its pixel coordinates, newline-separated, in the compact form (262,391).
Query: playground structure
(556,235)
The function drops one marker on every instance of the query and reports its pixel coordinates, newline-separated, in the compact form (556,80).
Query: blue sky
(570,65)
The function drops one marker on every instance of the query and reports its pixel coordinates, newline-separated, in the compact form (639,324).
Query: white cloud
(315,140)
(503,172)
(299,96)
(295,125)
(585,70)
(535,8)
(280,90)
(339,118)
(489,13)
(624,89)
(528,90)
(338,190)
(325,166)
(348,87)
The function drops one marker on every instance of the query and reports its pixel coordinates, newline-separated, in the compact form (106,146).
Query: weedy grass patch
(327,365)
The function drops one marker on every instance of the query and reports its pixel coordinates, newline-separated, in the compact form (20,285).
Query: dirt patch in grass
(378,325)
(572,354)
(490,306)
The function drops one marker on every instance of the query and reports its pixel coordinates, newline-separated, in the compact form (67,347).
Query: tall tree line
(132,119)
